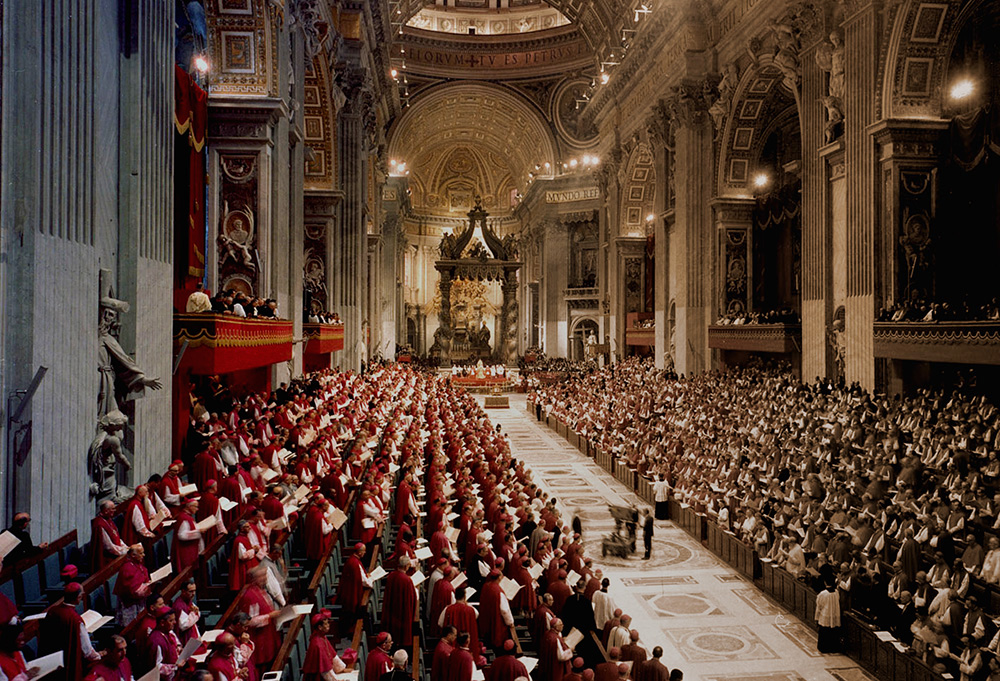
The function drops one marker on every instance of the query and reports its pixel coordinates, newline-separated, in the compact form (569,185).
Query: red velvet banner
(190,118)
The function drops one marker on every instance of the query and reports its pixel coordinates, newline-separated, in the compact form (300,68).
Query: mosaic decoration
(681,605)
(699,644)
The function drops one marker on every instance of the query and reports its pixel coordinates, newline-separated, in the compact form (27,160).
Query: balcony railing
(219,344)
(323,338)
(954,342)
(756,337)
(643,336)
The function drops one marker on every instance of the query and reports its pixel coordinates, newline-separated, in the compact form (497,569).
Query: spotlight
(761,180)
(963,89)
(605,77)
(394,73)
(572,163)
(650,217)
(547,165)
(201,64)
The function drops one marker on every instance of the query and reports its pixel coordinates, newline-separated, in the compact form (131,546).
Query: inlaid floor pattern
(710,621)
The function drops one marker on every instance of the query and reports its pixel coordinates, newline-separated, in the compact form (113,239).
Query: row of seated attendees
(784,315)
(893,502)
(322,478)
(231,302)
(918,309)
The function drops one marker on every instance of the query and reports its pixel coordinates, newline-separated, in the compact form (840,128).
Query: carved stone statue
(727,89)
(121,380)
(830,58)
(786,53)
(104,456)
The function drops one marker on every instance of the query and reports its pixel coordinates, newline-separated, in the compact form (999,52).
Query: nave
(711,622)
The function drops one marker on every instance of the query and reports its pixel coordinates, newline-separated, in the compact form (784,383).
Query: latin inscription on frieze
(571,195)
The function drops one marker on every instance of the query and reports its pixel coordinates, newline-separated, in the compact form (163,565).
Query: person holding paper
(321,661)
(495,615)
(399,606)
(188,613)
(209,507)
(12,664)
(26,548)
(170,486)
(318,530)
(260,606)
(138,512)
(106,544)
(242,557)
(132,586)
(188,543)
(115,665)
(63,629)
(554,654)
(353,582)
(463,617)
(163,647)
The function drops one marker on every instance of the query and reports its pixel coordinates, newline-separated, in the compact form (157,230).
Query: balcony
(954,342)
(780,338)
(582,298)
(639,329)
(220,344)
(323,339)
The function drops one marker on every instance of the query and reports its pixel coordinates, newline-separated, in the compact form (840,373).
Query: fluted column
(861,41)
(816,270)
(693,240)
(352,246)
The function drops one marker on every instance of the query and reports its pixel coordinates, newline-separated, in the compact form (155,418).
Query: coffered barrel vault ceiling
(469,138)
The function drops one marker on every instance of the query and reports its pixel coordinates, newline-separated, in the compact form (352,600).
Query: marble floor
(711,622)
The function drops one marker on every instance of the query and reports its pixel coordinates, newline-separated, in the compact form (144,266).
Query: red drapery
(190,117)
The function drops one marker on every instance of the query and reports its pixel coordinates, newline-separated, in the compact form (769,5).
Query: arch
(638,191)
(918,56)
(760,102)
(491,129)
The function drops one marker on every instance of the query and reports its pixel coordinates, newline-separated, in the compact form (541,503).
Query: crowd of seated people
(918,309)
(233,303)
(895,501)
(393,450)
(785,315)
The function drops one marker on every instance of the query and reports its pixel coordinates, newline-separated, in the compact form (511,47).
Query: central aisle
(711,622)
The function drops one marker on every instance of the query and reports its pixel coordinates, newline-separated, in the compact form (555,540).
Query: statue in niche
(121,380)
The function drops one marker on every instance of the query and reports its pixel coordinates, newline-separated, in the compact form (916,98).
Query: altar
(489,260)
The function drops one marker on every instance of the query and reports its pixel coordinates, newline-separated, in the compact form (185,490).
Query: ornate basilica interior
(704,183)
